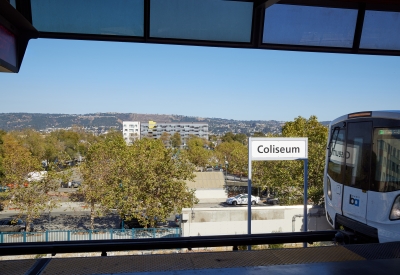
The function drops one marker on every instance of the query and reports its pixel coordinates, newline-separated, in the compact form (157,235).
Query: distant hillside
(101,122)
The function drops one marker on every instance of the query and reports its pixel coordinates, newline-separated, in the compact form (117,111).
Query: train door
(357,170)
(335,169)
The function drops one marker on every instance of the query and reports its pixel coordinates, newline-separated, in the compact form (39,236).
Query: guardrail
(88,235)
(105,246)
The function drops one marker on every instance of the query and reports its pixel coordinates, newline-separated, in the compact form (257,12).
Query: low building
(210,187)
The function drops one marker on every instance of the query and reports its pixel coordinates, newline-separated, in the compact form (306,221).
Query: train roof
(388,114)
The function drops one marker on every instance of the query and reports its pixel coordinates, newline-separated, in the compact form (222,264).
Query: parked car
(71,184)
(273,201)
(12,225)
(270,197)
(242,199)
(75,184)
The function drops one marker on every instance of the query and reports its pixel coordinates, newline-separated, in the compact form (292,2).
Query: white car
(242,199)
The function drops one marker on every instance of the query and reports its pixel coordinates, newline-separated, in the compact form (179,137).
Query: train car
(362,176)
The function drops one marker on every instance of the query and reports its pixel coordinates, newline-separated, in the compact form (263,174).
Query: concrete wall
(233,220)
(211,195)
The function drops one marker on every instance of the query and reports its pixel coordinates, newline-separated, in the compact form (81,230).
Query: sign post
(278,149)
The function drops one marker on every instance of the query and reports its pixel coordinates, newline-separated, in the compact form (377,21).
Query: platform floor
(360,259)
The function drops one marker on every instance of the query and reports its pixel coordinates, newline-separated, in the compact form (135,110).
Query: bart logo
(354,200)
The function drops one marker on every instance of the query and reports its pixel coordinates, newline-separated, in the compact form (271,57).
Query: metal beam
(359,28)
(265,3)
(105,246)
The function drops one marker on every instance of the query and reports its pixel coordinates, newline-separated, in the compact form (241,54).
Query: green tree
(242,138)
(101,173)
(258,134)
(165,138)
(197,153)
(30,186)
(70,141)
(233,153)
(32,140)
(145,180)
(152,183)
(176,140)
(239,159)
(228,137)
(2,134)
(286,177)
(213,141)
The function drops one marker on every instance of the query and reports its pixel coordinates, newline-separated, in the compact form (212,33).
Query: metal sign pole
(305,216)
(278,149)
(249,195)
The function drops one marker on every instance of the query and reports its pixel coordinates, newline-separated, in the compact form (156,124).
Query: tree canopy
(145,180)
(197,151)
(29,185)
(176,140)
(286,177)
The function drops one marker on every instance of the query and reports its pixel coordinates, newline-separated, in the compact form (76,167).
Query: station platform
(347,259)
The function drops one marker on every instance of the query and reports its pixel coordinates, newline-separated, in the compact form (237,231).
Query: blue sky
(78,77)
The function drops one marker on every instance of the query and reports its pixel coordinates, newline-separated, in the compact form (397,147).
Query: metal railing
(88,235)
(105,246)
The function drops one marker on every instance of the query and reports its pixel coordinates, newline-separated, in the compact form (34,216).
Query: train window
(336,154)
(386,160)
(358,155)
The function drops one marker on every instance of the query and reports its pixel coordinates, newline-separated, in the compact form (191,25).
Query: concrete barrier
(233,220)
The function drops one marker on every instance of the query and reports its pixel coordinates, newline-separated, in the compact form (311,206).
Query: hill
(102,122)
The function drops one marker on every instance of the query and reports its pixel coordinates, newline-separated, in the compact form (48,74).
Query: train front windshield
(387,159)
(364,164)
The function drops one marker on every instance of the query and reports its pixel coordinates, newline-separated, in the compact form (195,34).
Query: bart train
(362,176)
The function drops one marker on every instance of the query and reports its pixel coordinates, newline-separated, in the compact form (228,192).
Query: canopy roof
(341,26)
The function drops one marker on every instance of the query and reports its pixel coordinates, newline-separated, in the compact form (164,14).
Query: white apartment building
(131,131)
(155,130)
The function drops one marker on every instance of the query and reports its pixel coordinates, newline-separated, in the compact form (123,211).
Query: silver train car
(362,176)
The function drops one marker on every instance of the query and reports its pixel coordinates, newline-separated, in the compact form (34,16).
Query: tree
(165,138)
(239,159)
(196,151)
(242,138)
(229,137)
(30,186)
(232,152)
(258,134)
(32,140)
(152,183)
(213,140)
(145,180)
(317,137)
(176,140)
(70,141)
(101,173)
(286,177)
(2,134)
